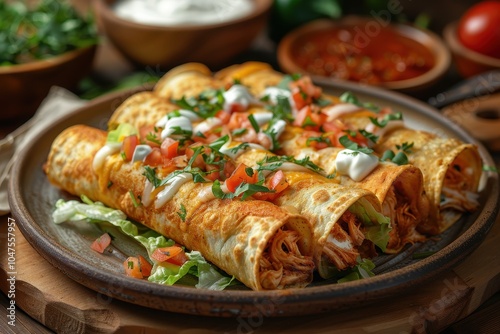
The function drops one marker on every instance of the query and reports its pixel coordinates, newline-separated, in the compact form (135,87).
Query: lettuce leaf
(208,277)
(377,226)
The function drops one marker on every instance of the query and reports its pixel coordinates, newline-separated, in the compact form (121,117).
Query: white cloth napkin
(58,103)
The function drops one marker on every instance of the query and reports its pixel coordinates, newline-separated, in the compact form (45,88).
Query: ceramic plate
(66,246)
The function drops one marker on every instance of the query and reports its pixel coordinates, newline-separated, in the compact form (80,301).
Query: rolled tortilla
(400,189)
(142,106)
(186,80)
(257,76)
(451,169)
(344,219)
(324,203)
(262,245)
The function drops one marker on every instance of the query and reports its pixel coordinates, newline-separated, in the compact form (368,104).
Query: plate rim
(231,303)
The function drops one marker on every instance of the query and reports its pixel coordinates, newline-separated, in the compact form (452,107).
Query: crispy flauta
(262,245)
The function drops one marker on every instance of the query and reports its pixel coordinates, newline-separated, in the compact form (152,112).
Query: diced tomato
(239,176)
(214,173)
(307,119)
(169,148)
(132,267)
(300,99)
(278,183)
(306,85)
(238,121)
(100,244)
(223,116)
(198,161)
(236,107)
(155,158)
(137,267)
(229,169)
(150,131)
(128,146)
(144,266)
(164,253)
(359,139)
(179,259)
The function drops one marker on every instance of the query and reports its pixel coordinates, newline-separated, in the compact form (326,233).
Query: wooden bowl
(168,46)
(23,87)
(368,28)
(467,61)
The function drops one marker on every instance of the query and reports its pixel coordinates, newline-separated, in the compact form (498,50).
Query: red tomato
(479,28)
(223,116)
(165,253)
(144,266)
(278,183)
(178,259)
(152,132)
(101,243)
(239,176)
(169,148)
(214,172)
(132,267)
(128,146)
(155,158)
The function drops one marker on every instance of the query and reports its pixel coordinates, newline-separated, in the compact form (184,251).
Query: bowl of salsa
(365,50)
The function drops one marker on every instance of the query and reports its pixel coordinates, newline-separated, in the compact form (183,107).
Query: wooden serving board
(65,306)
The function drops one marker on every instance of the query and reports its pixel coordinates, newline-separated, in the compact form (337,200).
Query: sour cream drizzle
(103,153)
(239,95)
(340,109)
(357,165)
(171,188)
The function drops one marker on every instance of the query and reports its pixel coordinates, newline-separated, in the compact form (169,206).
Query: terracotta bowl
(168,46)
(467,61)
(24,86)
(426,39)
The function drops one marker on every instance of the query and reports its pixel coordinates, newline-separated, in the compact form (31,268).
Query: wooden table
(463,300)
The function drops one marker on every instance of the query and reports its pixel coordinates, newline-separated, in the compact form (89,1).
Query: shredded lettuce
(208,277)
(362,270)
(377,226)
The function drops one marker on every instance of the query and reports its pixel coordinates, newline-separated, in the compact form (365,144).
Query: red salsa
(350,53)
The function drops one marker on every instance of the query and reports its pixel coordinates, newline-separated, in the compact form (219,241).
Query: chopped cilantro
(182,212)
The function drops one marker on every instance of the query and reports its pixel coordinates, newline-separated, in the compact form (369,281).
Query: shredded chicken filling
(342,246)
(456,192)
(402,209)
(282,264)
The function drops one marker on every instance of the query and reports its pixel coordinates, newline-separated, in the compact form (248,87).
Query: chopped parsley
(381,123)
(349,97)
(182,213)
(349,144)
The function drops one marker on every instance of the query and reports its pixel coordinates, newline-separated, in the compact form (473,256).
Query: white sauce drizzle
(171,188)
(262,117)
(357,165)
(381,131)
(146,193)
(105,151)
(193,117)
(207,125)
(141,152)
(172,124)
(228,146)
(272,93)
(238,94)
(340,109)
(179,12)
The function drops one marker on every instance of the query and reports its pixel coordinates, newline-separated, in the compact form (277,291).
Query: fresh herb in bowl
(47,29)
